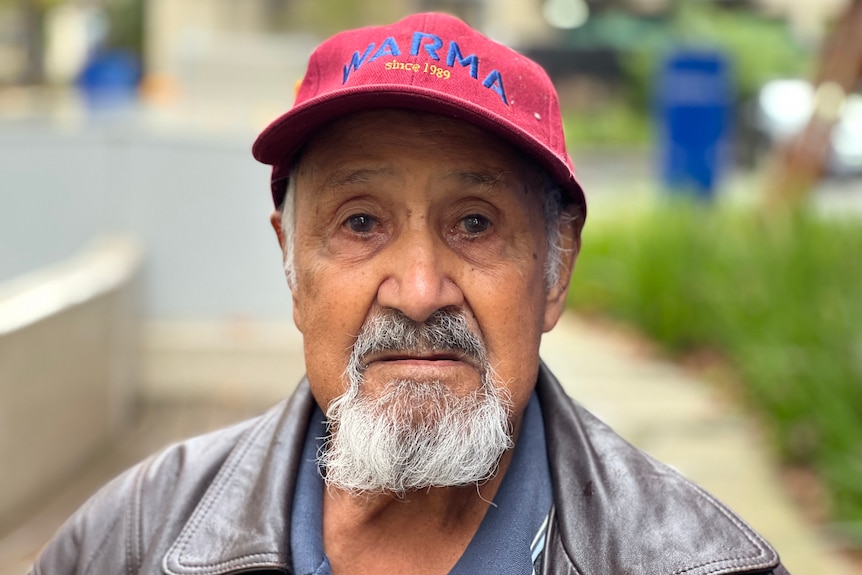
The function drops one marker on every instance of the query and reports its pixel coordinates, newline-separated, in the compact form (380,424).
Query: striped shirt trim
(537,547)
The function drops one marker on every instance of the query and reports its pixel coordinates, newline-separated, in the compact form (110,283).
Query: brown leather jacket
(220,504)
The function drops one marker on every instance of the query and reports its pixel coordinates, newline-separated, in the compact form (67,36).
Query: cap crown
(428,62)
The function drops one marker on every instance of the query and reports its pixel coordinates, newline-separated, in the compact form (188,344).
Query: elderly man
(429,218)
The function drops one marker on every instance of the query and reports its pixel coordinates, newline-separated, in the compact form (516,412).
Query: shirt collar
(502,543)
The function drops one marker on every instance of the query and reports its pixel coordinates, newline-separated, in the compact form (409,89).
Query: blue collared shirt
(510,540)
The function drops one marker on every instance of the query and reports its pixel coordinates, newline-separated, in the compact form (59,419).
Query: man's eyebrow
(349,176)
(488,179)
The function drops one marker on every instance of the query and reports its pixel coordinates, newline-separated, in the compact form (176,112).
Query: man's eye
(361,223)
(475,224)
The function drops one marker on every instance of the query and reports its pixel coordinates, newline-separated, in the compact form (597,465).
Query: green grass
(780,297)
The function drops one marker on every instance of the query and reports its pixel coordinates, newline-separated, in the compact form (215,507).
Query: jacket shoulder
(642,515)
(142,508)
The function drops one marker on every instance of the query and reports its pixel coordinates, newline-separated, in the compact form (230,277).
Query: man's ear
(275,220)
(570,224)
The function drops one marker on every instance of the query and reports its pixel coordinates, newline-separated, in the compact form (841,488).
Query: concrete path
(687,423)
(672,414)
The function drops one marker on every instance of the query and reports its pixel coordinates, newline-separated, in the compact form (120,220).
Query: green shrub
(779,297)
(610,124)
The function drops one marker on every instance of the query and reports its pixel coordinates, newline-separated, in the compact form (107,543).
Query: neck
(381,533)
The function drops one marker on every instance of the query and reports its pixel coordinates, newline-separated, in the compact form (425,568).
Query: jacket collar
(617,510)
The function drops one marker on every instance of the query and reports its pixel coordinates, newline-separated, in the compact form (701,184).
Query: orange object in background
(160,89)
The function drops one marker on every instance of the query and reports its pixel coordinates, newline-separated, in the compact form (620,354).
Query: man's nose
(418,280)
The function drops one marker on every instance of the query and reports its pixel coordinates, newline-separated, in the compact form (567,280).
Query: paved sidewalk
(661,408)
(685,422)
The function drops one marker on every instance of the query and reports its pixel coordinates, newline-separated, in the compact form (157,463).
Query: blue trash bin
(694,106)
(109,79)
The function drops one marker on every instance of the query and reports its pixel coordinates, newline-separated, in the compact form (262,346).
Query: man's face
(418,213)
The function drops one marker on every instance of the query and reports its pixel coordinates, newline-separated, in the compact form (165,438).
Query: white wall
(199,205)
(68,368)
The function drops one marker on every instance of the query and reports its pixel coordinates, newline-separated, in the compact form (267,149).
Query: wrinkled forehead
(369,134)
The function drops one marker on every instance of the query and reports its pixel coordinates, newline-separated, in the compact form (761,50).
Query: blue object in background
(694,101)
(109,79)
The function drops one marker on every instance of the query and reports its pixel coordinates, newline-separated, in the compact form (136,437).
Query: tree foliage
(759,48)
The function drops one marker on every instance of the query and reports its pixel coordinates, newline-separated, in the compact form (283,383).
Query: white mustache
(445,331)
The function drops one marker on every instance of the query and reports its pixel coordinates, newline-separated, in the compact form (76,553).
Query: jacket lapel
(242,521)
(618,511)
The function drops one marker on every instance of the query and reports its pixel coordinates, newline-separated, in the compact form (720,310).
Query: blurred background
(141,294)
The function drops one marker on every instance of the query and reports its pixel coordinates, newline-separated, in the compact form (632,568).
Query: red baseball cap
(427,62)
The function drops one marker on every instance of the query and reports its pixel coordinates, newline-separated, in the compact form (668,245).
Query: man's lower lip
(418,364)
(418,361)
(452,371)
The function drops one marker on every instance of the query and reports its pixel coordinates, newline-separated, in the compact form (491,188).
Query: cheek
(333,307)
(324,344)
(522,327)
(511,315)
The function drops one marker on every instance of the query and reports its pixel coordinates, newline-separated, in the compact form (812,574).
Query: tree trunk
(33,18)
(798,163)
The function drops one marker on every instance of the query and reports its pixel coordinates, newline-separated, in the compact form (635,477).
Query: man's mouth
(402,356)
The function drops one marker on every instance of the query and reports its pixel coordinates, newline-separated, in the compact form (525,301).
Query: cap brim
(282,139)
